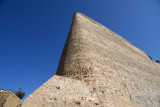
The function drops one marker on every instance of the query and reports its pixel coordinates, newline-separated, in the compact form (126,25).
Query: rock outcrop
(98,68)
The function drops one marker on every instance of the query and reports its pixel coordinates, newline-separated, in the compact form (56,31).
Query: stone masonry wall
(117,70)
(8,99)
(112,70)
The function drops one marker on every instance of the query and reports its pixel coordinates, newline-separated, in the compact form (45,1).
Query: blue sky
(33,33)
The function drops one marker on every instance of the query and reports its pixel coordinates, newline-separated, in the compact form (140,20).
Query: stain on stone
(57,87)
(78,102)
(96,104)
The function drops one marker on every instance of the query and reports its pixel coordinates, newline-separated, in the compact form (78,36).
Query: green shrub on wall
(20,94)
(158,61)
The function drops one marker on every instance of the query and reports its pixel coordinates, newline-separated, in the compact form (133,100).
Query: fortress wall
(60,91)
(109,63)
(8,99)
(115,72)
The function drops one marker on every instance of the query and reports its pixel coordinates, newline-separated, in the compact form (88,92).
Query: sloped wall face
(8,99)
(62,92)
(113,71)
(117,71)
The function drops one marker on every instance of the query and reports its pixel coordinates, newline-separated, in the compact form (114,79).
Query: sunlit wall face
(33,33)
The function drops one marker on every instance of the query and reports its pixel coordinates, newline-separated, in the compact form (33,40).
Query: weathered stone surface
(61,91)
(8,99)
(99,68)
